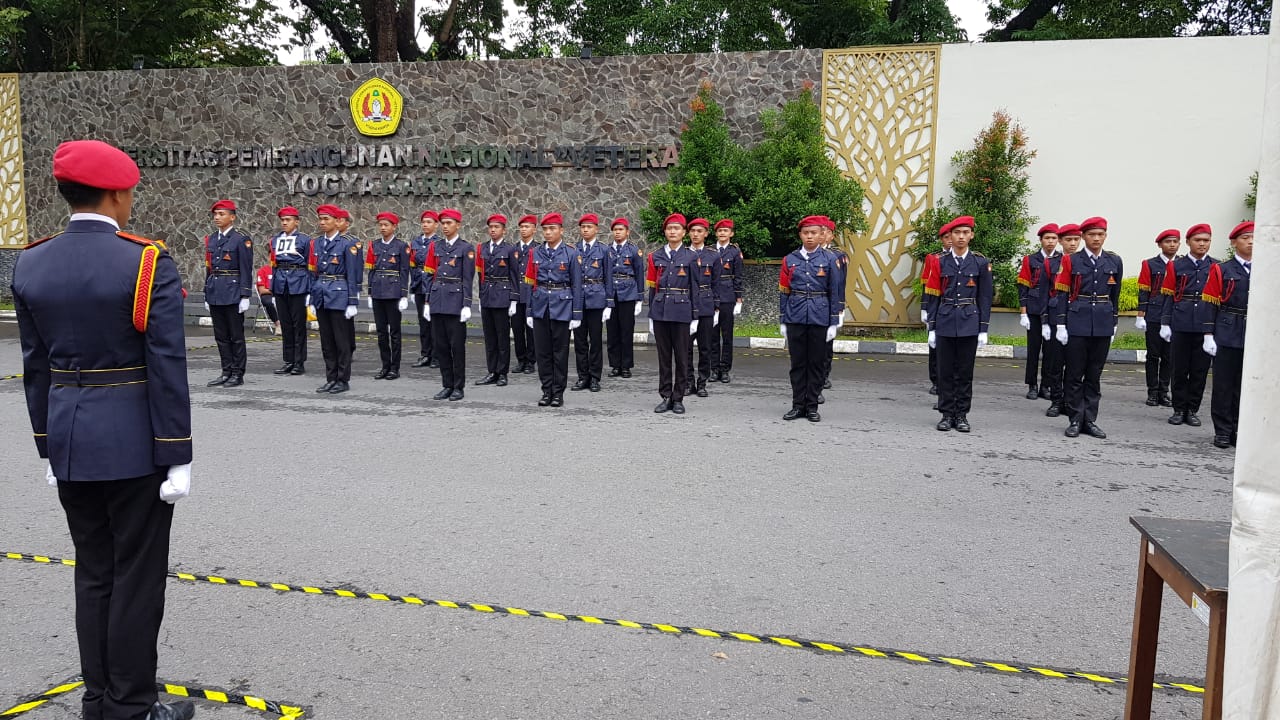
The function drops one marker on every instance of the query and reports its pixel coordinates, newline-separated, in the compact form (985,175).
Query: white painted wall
(1147,133)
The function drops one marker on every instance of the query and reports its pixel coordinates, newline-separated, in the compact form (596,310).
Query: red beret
(288,211)
(95,164)
(589,218)
(497,218)
(831,224)
(1241,229)
(389,217)
(962,221)
(1170,233)
(224,205)
(429,214)
(1199,229)
(699,222)
(1093,223)
(332,211)
(676,218)
(946,228)
(1068,229)
(811,220)
(531,219)
(1047,228)
(450,214)
(620,221)
(342,213)
(552,219)
(724,223)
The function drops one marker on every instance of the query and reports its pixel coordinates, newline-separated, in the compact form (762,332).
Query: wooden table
(1190,556)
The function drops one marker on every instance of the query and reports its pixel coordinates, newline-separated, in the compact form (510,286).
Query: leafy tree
(1251,198)
(916,21)
(1083,19)
(387,30)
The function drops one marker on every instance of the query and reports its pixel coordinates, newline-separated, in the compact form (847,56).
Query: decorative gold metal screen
(13,212)
(879,108)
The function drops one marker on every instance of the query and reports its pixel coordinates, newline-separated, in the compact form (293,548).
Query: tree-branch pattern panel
(880,107)
(13,213)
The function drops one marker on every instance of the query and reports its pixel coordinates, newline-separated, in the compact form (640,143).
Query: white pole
(1252,666)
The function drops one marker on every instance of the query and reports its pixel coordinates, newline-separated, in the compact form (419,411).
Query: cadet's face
(289,224)
(327,223)
(1094,240)
(1049,243)
(429,227)
(589,231)
(674,233)
(1199,244)
(496,230)
(344,224)
(1169,245)
(810,237)
(697,234)
(386,228)
(620,233)
(960,238)
(1243,245)
(223,218)
(946,241)
(724,234)
(1070,244)
(449,226)
(552,233)
(526,231)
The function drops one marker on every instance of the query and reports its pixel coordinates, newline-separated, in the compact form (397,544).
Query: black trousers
(551,348)
(588,341)
(704,338)
(1086,357)
(450,342)
(523,334)
(228,332)
(336,339)
(386,317)
(828,360)
(933,366)
(673,341)
(497,339)
(269,304)
(722,341)
(1228,371)
(293,326)
(1190,367)
(120,529)
(1055,365)
(807,345)
(622,332)
(956,357)
(1035,345)
(425,340)
(1159,367)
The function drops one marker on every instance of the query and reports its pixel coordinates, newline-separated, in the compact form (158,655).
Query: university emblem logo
(376,108)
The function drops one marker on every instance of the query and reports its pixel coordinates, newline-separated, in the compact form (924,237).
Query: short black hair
(80,196)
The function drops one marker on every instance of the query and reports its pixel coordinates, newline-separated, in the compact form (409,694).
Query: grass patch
(1123,341)
(6,306)
(750,329)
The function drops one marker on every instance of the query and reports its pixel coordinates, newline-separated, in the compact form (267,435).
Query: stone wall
(607,101)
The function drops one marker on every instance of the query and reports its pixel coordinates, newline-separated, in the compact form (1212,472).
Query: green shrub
(1128,294)
(1251,198)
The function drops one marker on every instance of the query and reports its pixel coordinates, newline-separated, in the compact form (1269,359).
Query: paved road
(871,528)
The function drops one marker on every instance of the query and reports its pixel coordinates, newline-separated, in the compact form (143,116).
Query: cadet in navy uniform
(1150,307)
(335,296)
(1055,355)
(706,271)
(809,309)
(387,261)
(554,275)
(729,296)
(626,274)
(105,374)
(418,284)
(928,302)
(842,268)
(228,262)
(1034,280)
(1088,284)
(597,306)
(523,334)
(290,285)
(451,267)
(958,326)
(672,294)
(1227,290)
(500,281)
(1185,319)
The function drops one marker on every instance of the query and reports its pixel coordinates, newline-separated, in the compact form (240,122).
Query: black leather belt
(1240,312)
(1189,296)
(227,273)
(1094,299)
(99,378)
(554,286)
(807,293)
(592,281)
(447,279)
(333,277)
(959,301)
(673,290)
(628,276)
(387,273)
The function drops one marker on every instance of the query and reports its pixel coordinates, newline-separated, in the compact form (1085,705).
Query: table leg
(1213,668)
(1146,633)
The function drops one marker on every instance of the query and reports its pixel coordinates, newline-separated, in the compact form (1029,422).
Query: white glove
(933,339)
(1166,333)
(831,332)
(369,302)
(1210,346)
(1114,328)
(426,312)
(207,308)
(737,308)
(715,319)
(177,485)
(529,322)
(350,312)
(608,313)
(844,316)
(511,309)
(575,324)
(403,304)
(1044,332)
(783,329)
(465,314)
(693,327)
(924,316)
(982,338)
(651,326)
(1025,322)
(1140,323)
(49,476)
(639,306)
(1062,334)
(307,302)
(244,305)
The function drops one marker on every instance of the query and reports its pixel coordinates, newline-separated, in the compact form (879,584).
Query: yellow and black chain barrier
(285,712)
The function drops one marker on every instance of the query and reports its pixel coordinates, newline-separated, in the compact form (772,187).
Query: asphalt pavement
(868,530)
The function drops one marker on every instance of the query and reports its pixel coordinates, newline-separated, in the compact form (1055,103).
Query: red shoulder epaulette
(34,243)
(135,238)
(146,276)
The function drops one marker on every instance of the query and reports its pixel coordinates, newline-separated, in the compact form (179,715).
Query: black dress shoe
(220,380)
(381,374)
(677,407)
(1043,394)
(1092,429)
(1032,392)
(531,367)
(615,372)
(181,710)
(724,377)
(1192,419)
(1153,399)
(715,376)
(324,388)
(1176,418)
(489,379)
(626,372)
(961,423)
(933,389)
(663,406)
(581,385)
(944,424)
(544,401)
(236,380)
(1053,411)
(821,398)
(793,413)
(455,396)
(434,364)
(392,375)
(298,369)
(701,391)
(557,400)
(1221,441)
(443,394)
(1165,400)
(501,381)
(826,384)
(595,386)
(284,369)
(1073,430)
(339,387)
(422,362)
(813,416)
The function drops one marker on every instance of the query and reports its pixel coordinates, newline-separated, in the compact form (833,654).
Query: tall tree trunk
(1024,20)
(407,31)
